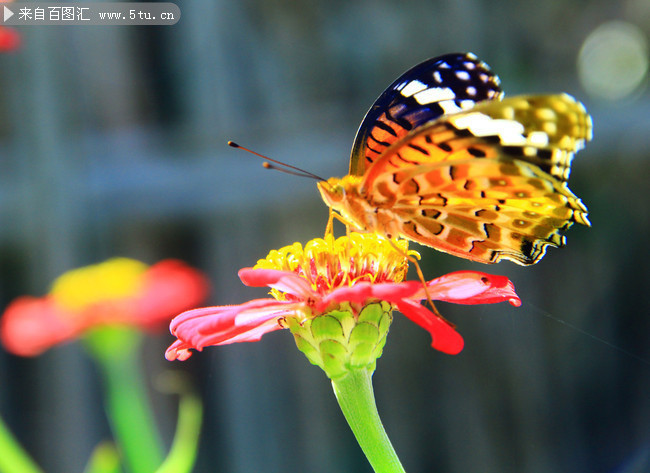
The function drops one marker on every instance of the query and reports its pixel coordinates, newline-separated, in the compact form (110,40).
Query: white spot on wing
(509,131)
(449,107)
(538,138)
(412,88)
(435,94)
(465,104)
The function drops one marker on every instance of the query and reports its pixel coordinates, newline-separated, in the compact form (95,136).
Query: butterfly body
(482,179)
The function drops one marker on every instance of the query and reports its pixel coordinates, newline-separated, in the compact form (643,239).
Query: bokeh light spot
(613,61)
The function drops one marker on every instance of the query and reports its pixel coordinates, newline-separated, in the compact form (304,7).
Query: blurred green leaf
(104,459)
(13,458)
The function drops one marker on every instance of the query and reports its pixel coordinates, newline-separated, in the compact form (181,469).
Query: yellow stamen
(328,263)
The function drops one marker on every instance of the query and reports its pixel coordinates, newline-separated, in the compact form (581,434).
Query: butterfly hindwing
(490,211)
(487,183)
(439,86)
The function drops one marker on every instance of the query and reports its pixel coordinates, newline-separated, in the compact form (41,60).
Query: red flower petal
(365,291)
(255,332)
(472,287)
(221,325)
(444,337)
(179,350)
(284,281)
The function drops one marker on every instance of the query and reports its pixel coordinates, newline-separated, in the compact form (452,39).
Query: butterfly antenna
(283,167)
(301,173)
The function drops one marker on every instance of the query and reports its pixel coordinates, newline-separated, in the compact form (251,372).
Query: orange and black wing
(488,183)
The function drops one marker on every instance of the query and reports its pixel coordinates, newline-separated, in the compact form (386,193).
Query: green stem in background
(104,459)
(357,401)
(182,454)
(13,458)
(117,352)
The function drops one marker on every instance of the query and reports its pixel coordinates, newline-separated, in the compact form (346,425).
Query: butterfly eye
(332,191)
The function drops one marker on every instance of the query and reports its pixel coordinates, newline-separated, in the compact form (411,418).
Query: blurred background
(112,142)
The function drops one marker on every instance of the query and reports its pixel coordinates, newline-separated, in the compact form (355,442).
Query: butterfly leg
(413,260)
(329,229)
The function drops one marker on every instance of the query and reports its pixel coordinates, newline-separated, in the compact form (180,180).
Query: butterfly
(442,159)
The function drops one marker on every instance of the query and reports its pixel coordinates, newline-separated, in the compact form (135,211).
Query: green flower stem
(117,351)
(186,441)
(13,458)
(357,401)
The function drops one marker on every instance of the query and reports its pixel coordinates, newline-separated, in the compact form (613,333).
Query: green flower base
(342,340)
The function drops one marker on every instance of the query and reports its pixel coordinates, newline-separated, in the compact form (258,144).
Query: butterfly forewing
(437,87)
(487,183)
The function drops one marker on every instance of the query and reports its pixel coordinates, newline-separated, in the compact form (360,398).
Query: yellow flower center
(117,278)
(328,263)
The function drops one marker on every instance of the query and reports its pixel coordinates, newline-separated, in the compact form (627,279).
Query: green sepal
(344,339)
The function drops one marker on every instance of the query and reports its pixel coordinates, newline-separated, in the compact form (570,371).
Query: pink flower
(352,272)
(119,291)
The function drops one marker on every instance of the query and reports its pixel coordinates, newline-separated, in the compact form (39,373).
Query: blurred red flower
(120,291)
(9,37)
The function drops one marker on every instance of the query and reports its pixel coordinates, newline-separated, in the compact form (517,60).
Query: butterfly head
(332,191)
(343,196)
